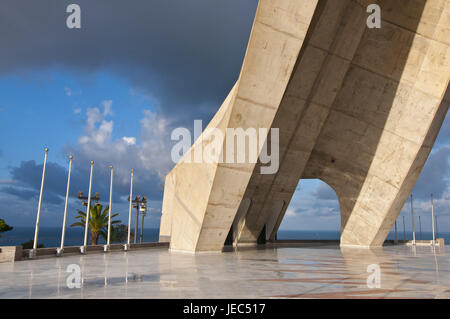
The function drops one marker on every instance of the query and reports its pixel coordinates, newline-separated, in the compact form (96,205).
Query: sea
(51,236)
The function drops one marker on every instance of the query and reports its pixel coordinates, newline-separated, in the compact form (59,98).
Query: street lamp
(141,206)
(84,199)
(143,210)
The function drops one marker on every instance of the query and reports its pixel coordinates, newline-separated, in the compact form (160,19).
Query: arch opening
(313,213)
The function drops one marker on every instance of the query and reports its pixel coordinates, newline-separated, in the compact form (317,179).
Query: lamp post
(38,217)
(83,249)
(143,209)
(136,226)
(140,205)
(84,199)
(59,251)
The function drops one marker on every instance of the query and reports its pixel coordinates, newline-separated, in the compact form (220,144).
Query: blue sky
(113,94)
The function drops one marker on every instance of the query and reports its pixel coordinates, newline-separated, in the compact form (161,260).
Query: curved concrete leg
(358,108)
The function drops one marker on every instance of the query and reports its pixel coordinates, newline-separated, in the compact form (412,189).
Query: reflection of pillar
(30,285)
(436,263)
(82,280)
(359,260)
(105,262)
(58,280)
(126,272)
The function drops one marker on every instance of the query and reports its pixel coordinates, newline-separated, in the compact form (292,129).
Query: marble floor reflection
(288,272)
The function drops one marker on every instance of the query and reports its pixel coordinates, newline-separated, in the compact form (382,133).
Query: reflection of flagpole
(127,246)
(36,231)
(109,216)
(432,218)
(84,247)
(59,251)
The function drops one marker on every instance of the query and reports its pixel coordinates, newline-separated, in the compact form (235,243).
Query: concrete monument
(356,107)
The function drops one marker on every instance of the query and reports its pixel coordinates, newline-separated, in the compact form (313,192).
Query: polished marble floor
(283,272)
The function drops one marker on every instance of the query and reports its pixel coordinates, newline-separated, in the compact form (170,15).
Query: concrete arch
(358,108)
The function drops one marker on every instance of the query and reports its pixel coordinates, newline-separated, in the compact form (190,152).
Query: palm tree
(4,227)
(98,220)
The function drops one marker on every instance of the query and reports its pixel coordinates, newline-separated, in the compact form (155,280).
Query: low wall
(10,253)
(75,250)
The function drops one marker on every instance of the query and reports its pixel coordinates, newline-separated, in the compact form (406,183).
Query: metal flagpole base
(59,252)
(32,253)
(126,247)
(83,249)
(106,248)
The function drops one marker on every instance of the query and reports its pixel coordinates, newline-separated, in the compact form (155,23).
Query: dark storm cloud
(27,182)
(324,191)
(29,194)
(21,193)
(186,54)
(444,133)
(435,174)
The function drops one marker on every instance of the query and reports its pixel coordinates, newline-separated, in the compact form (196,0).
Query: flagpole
(83,249)
(38,217)
(432,219)
(59,251)
(396,237)
(106,248)
(127,246)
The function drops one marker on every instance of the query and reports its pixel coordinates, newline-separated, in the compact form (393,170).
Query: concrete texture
(10,253)
(294,272)
(357,108)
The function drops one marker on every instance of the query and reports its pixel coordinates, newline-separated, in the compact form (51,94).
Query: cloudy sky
(114,90)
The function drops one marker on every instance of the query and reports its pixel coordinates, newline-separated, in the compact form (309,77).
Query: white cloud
(148,153)
(77,111)
(290,212)
(107,107)
(129,140)
(68,91)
